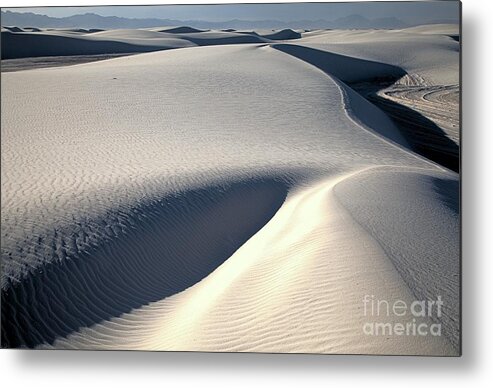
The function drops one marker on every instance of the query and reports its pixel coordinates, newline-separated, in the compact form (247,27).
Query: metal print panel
(278,178)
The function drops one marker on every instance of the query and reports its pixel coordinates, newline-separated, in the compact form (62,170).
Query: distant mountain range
(92,20)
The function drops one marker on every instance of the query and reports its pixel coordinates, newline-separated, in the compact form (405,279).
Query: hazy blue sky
(420,11)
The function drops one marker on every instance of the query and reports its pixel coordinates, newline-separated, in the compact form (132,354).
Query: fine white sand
(223,198)
(428,54)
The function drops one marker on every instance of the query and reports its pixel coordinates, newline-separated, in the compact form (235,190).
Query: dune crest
(186,200)
(182,30)
(286,290)
(146,256)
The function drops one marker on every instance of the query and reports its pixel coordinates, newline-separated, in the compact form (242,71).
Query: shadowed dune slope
(88,203)
(432,58)
(24,45)
(427,116)
(349,69)
(297,284)
(346,68)
(12,29)
(19,44)
(286,34)
(180,30)
(166,247)
(211,38)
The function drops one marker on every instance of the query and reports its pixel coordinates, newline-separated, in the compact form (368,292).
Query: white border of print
(123,369)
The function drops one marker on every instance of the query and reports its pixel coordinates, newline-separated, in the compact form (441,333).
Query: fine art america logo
(399,318)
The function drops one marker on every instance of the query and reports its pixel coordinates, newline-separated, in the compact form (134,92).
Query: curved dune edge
(425,254)
(179,30)
(296,286)
(194,319)
(285,293)
(343,111)
(344,69)
(17,44)
(164,248)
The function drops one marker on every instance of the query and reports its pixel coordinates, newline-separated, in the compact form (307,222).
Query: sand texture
(228,191)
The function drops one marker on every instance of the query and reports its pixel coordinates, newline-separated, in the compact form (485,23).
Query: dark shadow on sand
(424,136)
(28,45)
(449,192)
(174,243)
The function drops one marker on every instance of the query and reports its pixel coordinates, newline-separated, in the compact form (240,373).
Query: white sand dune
(286,34)
(427,94)
(296,286)
(177,30)
(186,200)
(24,43)
(65,42)
(12,29)
(18,43)
(434,56)
(435,29)
(345,68)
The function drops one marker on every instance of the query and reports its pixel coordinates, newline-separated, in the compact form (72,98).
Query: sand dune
(209,38)
(202,204)
(286,34)
(425,100)
(427,265)
(436,29)
(54,61)
(347,69)
(434,57)
(436,102)
(27,44)
(180,30)
(428,115)
(12,29)
(295,286)
(129,270)
(423,60)
(17,43)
